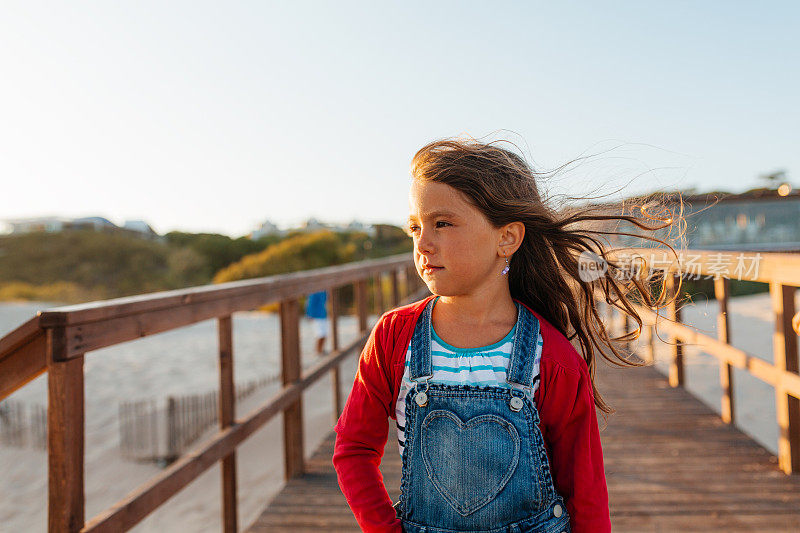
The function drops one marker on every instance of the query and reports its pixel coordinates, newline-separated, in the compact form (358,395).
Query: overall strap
(523,351)
(421,365)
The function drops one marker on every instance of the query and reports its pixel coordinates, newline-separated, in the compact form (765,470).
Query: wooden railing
(782,272)
(57,340)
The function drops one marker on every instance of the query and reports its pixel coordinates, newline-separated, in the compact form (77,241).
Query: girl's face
(451,234)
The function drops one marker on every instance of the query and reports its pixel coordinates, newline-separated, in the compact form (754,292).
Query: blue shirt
(315,305)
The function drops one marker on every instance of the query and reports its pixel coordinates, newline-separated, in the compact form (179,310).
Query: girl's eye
(413,229)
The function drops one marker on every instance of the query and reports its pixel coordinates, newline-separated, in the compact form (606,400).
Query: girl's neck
(477,311)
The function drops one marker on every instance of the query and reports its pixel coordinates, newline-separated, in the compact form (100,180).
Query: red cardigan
(567,420)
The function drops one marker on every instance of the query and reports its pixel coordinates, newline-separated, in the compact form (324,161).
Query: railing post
(395,288)
(65,435)
(361,304)
(722,293)
(226,412)
(674,312)
(626,324)
(412,279)
(610,319)
(651,344)
(785,349)
(379,292)
(290,373)
(172,430)
(335,372)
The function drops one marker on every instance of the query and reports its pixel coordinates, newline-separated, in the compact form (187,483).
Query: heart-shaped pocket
(469,462)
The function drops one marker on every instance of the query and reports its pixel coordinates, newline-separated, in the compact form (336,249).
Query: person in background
(315,310)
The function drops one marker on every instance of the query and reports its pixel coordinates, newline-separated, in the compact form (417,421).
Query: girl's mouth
(431,269)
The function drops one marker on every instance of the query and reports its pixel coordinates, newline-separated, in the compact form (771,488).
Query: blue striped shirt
(482,366)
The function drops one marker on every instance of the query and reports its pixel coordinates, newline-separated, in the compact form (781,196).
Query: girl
(494,407)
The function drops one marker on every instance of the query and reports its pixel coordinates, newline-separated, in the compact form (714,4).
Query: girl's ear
(511,236)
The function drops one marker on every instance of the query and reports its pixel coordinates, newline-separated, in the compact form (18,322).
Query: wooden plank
(22,364)
(787,408)
(267,289)
(361,303)
(226,415)
(407,281)
(290,373)
(722,294)
(628,324)
(123,322)
(336,385)
(20,335)
(650,356)
(411,279)
(65,437)
(395,288)
(378,291)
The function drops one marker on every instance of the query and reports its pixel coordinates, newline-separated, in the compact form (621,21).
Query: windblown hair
(545,270)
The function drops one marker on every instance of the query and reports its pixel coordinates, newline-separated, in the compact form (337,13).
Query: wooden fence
(150,431)
(57,340)
(782,272)
(23,425)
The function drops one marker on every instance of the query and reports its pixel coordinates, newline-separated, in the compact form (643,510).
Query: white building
(28,225)
(266,228)
(56,224)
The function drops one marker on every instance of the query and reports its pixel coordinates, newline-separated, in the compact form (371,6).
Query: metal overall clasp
(516,402)
(421,397)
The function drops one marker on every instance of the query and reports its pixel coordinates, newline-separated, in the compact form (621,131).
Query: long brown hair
(545,270)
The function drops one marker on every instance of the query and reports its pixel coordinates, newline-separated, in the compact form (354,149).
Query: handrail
(57,339)
(88,325)
(21,356)
(782,272)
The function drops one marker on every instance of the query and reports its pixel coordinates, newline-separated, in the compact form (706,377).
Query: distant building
(761,219)
(266,228)
(360,226)
(28,225)
(754,220)
(138,228)
(141,228)
(314,224)
(95,223)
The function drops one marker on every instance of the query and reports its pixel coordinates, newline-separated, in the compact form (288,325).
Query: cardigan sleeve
(361,434)
(569,425)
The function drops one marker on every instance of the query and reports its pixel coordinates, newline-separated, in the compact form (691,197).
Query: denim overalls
(474,457)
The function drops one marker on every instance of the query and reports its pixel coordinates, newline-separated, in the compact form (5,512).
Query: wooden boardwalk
(671,465)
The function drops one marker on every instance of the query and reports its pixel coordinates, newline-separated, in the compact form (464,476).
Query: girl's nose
(424,241)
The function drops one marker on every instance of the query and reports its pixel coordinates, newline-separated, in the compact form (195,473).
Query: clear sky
(200,116)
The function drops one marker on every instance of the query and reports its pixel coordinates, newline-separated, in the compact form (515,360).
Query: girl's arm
(569,423)
(361,434)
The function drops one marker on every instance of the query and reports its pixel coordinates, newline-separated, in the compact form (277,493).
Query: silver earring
(505,270)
